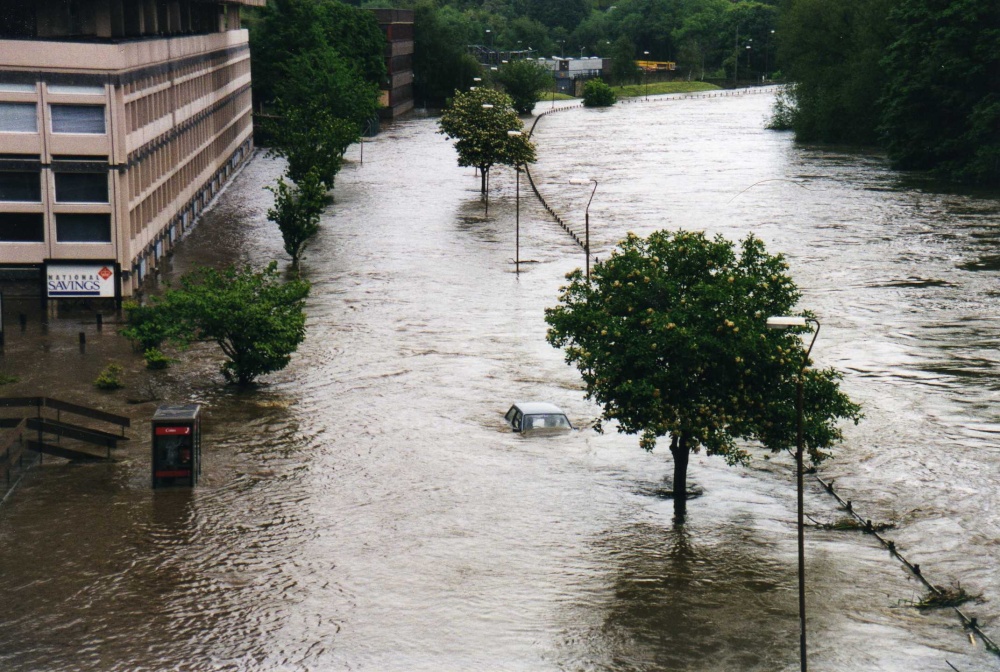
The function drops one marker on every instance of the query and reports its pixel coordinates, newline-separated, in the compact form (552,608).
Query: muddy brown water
(367,510)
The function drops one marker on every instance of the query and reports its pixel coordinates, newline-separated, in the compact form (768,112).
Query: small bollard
(849,506)
(868,525)
(83,341)
(100,322)
(892,546)
(974,623)
(24,321)
(916,569)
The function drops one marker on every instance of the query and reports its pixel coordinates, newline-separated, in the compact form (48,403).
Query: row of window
(23,118)
(26,187)
(29,227)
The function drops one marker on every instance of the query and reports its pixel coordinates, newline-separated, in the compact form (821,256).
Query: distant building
(397,91)
(571,73)
(119,121)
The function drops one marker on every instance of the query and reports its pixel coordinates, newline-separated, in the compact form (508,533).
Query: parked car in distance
(529,416)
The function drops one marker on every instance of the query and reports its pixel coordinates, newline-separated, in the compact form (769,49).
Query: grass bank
(657,88)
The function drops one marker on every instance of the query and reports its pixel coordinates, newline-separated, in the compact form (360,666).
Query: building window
(18,118)
(78,119)
(81,187)
(9,87)
(21,186)
(80,228)
(76,89)
(22,227)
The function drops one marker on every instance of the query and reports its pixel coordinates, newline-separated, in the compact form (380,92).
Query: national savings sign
(80,280)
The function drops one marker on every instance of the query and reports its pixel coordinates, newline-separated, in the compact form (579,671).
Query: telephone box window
(83,228)
(82,187)
(78,119)
(21,186)
(22,227)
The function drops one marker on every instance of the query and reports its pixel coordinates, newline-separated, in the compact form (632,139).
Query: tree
(481,133)
(598,94)
(257,320)
(312,139)
(623,68)
(524,81)
(669,336)
(296,211)
(832,51)
(942,96)
(440,64)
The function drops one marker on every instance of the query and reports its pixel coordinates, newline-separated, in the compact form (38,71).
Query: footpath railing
(970,623)
(16,433)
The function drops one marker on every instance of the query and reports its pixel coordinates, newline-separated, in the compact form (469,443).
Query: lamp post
(791,323)
(645,73)
(486,177)
(767,52)
(586,219)
(517,229)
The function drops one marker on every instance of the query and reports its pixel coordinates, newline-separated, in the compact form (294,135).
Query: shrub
(598,94)
(110,378)
(155,359)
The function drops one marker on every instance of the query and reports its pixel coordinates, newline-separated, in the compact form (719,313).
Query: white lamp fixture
(786,322)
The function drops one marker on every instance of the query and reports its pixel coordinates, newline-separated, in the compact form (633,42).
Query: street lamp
(586,219)
(517,230)
(793,323)
(487,106)
(645,73)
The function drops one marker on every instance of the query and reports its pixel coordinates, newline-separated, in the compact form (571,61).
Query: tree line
(920,78)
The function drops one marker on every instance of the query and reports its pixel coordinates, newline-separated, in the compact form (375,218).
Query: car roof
(535,407)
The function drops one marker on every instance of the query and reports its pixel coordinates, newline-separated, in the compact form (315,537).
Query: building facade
(397,92)
(119,121)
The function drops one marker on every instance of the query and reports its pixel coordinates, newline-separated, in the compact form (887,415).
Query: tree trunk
(679,449)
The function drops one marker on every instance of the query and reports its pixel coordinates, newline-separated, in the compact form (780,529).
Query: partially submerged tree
(312,139)
(479,122)
(670,339)
(256,319)
(598,94)
(296,211)
(524,81)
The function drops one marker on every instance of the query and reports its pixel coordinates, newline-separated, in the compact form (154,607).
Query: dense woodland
(919,78)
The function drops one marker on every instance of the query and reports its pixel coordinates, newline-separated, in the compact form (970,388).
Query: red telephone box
(176,445)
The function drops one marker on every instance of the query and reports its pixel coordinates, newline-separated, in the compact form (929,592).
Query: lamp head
(786,322)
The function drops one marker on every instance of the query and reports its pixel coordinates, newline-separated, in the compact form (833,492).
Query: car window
(510,414)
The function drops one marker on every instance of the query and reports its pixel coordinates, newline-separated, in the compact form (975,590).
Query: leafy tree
(481,133)
(558,13)
(257,320)
(942,98)
(623,68)
(524,81)
(701,35)
(832,52)
(296,211)
(440,64)
(290,29)
(669,336)
(312,139)
(598,94)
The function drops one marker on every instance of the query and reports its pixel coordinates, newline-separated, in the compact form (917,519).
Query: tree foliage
(440,64)
(257,320)
(312,139)
(942,98)
(598,94)
(669,336)
(481,133)
(524,81)
(296,211)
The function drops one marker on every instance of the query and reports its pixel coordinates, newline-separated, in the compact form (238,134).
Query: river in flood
(367,509)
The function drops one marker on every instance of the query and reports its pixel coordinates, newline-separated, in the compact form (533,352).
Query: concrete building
(397,92)
(119,121)
(571,73)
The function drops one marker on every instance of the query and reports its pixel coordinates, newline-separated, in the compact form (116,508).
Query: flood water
(367,509)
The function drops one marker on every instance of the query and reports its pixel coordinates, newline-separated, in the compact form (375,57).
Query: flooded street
(368,510)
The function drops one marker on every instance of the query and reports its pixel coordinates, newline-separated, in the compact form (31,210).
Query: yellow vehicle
(656,66)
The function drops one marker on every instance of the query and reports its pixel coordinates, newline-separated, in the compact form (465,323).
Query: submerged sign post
(97,280)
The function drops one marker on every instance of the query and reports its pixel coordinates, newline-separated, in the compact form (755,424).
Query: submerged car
(525,416)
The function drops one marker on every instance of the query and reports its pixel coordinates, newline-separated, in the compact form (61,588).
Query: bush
(155,359)
(7,380)
(598,94)
(110,378)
